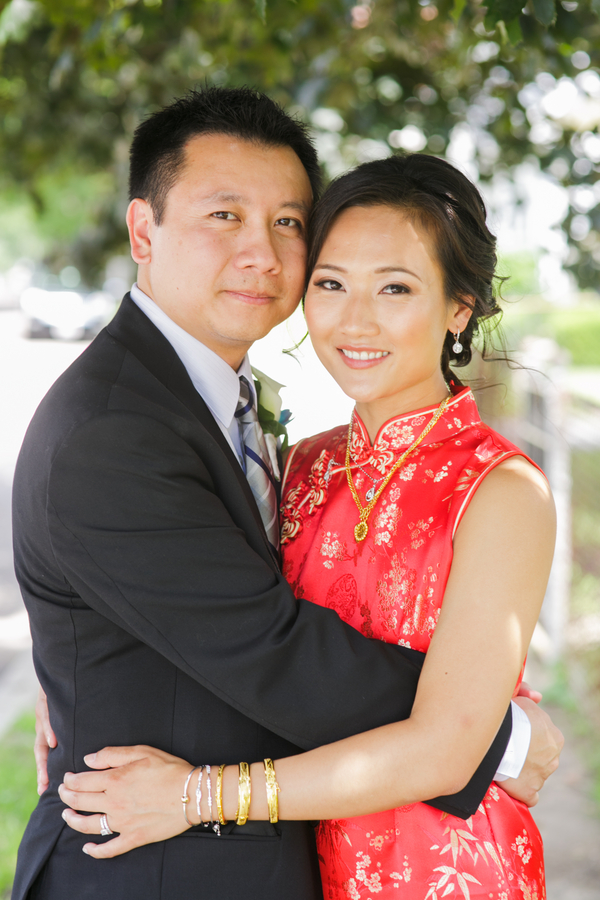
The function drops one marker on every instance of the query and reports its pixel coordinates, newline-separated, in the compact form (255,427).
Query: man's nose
(258,249)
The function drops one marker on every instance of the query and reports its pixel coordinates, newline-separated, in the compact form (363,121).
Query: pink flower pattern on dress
(391,587)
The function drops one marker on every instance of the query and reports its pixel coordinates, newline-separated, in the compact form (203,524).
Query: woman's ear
(459,319)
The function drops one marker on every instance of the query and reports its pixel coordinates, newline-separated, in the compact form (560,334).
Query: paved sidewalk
(570,823)
(566,815)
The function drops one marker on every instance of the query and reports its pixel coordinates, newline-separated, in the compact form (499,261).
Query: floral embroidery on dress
(304,499)
(343,596)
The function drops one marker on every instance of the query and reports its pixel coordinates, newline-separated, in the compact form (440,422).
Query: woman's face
(377,312)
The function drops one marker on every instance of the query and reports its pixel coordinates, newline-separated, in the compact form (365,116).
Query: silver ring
(104,829)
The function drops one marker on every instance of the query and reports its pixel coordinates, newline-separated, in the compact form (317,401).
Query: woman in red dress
(418,525)
(372,514)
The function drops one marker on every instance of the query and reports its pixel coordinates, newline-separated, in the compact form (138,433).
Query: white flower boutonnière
(273,419)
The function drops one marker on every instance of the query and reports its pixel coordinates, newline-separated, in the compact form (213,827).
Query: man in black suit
(158,610)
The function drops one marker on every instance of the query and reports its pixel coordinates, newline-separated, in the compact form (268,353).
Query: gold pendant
(360,531)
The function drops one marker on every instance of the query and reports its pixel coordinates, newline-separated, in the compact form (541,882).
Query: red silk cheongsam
(391,587)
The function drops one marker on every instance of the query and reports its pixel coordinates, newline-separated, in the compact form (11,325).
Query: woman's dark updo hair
(448,206)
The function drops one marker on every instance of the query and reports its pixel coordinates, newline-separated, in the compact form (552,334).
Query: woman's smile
(362,357)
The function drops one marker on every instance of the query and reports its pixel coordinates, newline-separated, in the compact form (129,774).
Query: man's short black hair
(158,150)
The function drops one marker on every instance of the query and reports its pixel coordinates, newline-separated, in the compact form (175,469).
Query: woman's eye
(395,289)
(329,284)
(227,216)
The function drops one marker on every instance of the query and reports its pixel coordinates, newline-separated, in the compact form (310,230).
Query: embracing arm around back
(502,556)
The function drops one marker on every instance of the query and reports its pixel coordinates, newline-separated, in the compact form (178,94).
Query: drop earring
(457,347)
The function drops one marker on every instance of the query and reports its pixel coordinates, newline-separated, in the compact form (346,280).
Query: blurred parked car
(65,314)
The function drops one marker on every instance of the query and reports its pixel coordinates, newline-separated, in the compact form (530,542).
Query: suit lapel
(134,330)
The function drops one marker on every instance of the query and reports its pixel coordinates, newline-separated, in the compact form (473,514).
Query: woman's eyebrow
(385,269)
(380,271)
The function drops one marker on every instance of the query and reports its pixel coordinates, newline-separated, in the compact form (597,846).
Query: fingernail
(89,758)
(86,851)
(64,814)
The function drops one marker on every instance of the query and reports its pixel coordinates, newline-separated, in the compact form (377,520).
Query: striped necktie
(258,468)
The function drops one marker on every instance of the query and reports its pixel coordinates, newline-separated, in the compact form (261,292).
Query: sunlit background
(509,94)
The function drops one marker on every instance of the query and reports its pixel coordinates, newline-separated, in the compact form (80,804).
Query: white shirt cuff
(518,746)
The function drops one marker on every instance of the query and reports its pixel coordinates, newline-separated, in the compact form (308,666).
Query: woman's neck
(376,413)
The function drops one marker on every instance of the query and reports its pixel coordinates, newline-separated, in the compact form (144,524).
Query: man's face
(227,261)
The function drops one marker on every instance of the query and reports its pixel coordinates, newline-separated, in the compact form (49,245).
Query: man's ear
(139,223)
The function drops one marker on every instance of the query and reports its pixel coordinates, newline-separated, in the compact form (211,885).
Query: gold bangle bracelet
(222,819)
(244,793)
(272,791)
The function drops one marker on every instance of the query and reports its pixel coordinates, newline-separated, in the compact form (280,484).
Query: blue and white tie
(258,468)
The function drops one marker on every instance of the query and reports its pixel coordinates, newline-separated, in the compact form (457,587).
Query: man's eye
(288,222)
(395,289)
(222,214)
(329,284)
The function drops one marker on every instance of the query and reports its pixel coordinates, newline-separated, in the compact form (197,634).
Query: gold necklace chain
(361,529)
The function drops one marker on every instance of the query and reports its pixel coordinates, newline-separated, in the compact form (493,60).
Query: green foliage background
(18,794)
(76,76)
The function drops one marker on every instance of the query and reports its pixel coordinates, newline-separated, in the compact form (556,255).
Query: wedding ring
(104,829)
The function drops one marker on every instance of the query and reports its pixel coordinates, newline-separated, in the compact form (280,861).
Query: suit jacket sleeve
(140,533)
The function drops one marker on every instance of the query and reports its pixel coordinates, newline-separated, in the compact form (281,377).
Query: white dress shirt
(219,387)
(216,382)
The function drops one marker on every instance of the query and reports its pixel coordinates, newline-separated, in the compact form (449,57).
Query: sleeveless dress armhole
(509,454)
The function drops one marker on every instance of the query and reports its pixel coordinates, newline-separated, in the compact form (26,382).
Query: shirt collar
(216,382)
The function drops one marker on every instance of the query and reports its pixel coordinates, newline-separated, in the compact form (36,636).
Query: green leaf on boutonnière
(270,425)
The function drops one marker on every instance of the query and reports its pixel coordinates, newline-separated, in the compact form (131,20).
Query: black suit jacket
(160,616)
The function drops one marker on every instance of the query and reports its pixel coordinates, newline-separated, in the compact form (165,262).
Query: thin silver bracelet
(199,796)
(185,798)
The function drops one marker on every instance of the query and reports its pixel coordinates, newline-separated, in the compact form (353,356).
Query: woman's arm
(502,556)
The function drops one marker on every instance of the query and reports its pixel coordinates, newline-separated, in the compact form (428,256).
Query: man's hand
(542,759)
(525,690)
(44,740)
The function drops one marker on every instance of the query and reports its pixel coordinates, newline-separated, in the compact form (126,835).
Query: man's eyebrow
(229,197)
(296,204)
(224,197)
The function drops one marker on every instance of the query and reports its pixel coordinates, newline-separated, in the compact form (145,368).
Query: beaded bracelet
(244,793)
(272,791)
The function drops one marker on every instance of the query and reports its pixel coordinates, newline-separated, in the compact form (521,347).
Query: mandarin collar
(399,432)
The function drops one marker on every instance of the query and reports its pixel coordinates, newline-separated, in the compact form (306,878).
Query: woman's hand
(138,789)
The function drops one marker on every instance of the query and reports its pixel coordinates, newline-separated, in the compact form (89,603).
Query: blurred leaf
(457,9)
(507,10)
(545,11)
(261,9)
